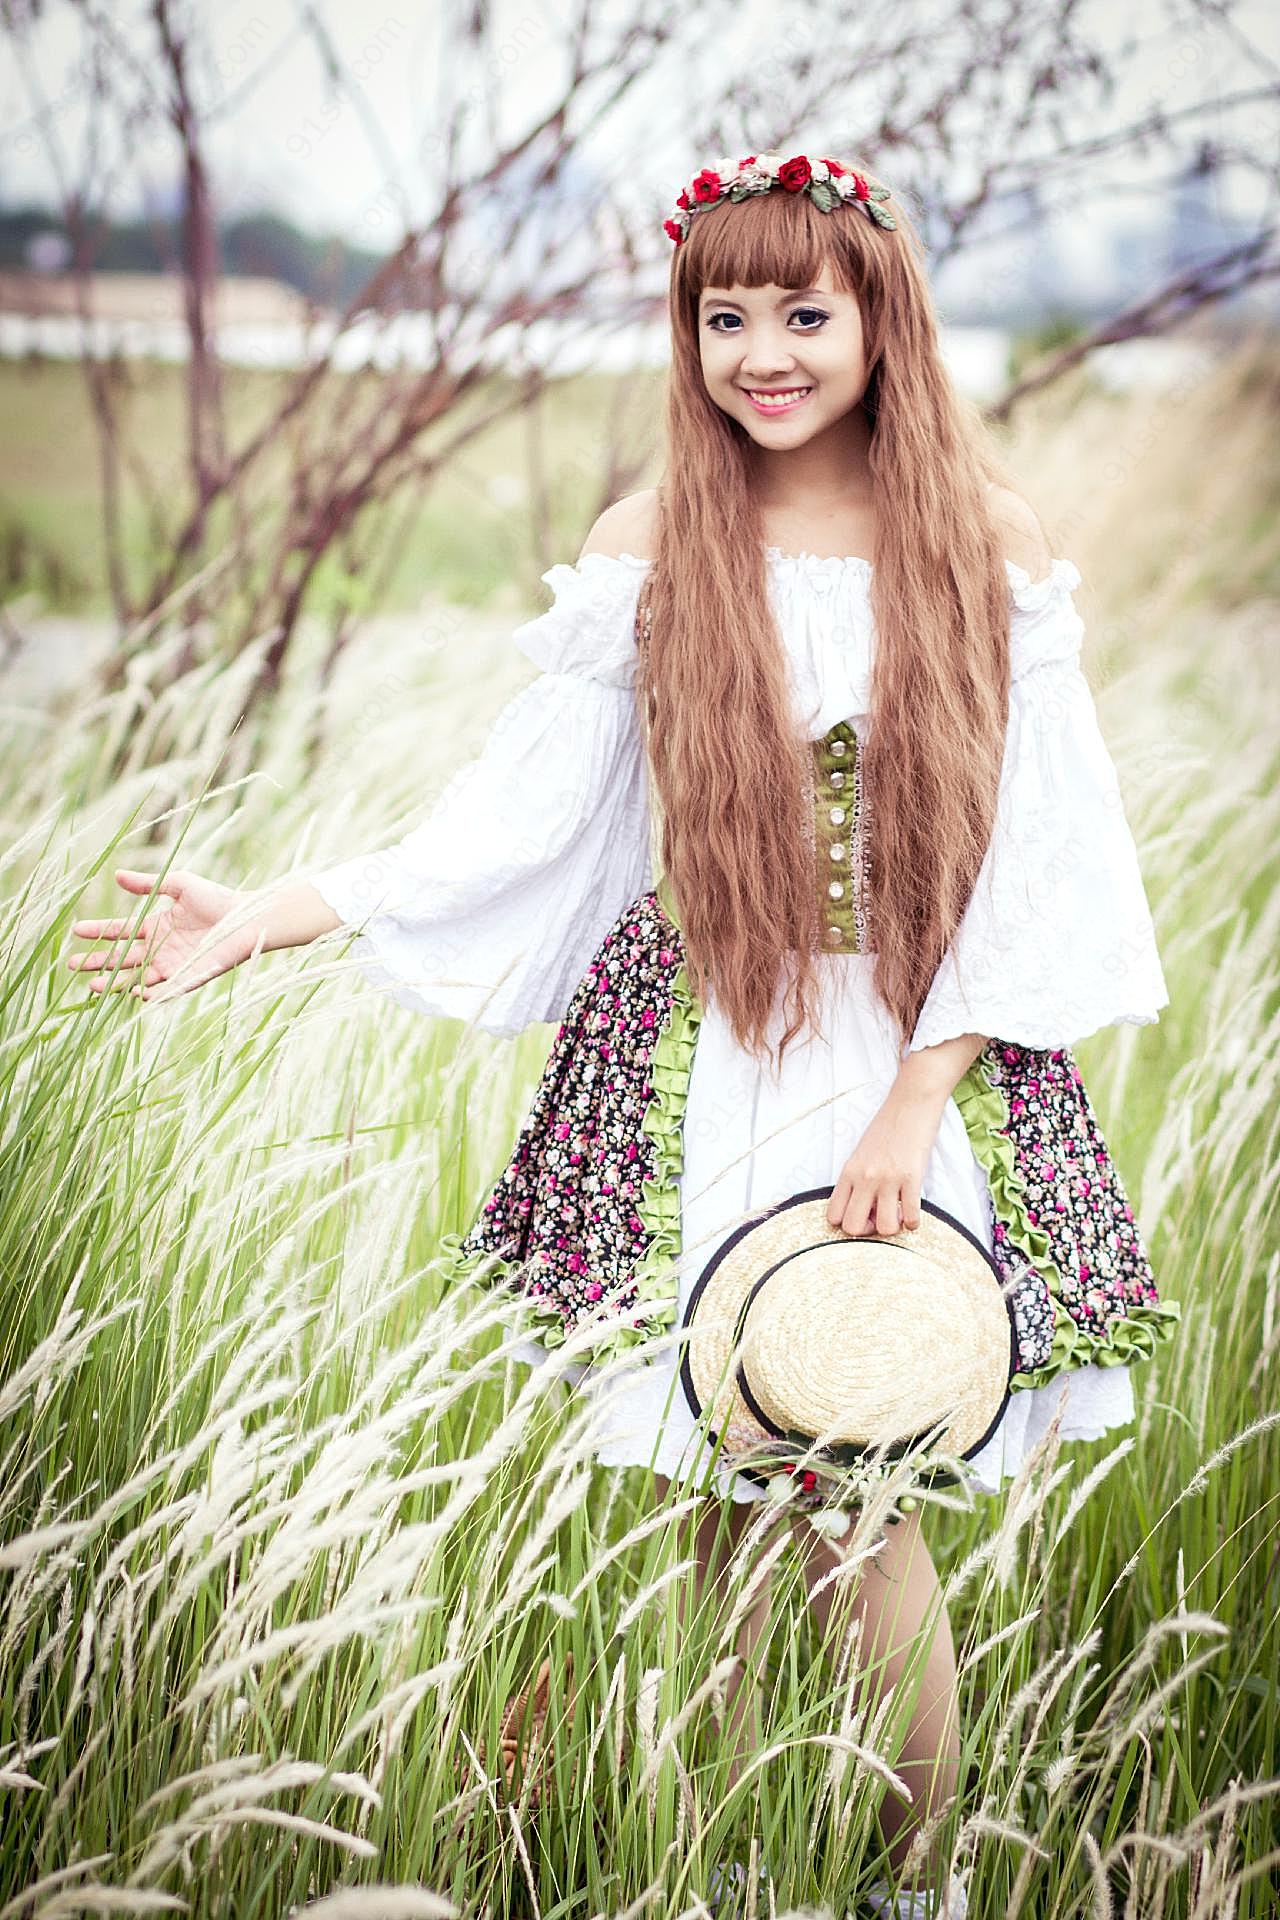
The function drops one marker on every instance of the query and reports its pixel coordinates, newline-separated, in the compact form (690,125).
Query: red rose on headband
(707,186)
(794,174)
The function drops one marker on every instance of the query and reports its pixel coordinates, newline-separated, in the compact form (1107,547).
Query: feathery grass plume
(1062,1765)
(1073,1662)
(648,1523)
(750,1576)
(646,1725)
(710,1687)
(97,1897)
(211,1812)
(1085,1488)
(1143,1659)
(974,1657)
(13,1775)
(1101,1906)
(869,1734)
(50,1653)
(686,1806)
(619,1696)
(642,1603)
(382,1903)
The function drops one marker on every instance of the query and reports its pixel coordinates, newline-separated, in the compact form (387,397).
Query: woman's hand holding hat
(878,1188)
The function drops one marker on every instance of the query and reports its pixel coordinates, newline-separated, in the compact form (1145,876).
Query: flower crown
(826,182)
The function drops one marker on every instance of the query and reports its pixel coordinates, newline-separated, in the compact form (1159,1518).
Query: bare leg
(897,1597)
(742,1694)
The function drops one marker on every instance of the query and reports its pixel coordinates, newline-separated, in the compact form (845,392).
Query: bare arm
(290,913)
(938,1070)
(878,1189)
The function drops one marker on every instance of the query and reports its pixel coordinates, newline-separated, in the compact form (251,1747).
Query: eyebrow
(722,300)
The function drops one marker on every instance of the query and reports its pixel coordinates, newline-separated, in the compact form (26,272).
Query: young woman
(830,668)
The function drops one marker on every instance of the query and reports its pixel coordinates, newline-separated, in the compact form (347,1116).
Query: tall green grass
(281,1529)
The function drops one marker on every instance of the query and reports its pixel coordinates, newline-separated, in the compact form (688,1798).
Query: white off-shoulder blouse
(490,910)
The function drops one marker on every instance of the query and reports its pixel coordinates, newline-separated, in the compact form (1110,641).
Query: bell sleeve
(1057,940)
(490,909)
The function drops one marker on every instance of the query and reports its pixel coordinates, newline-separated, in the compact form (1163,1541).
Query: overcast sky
(339,165)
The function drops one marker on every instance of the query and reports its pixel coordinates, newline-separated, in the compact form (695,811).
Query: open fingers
(103,929)
(122,983)
(133,882)
(108,957)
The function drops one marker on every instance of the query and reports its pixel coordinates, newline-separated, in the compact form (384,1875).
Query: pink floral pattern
(565,1209)
(1068,1199)
(1030,1300)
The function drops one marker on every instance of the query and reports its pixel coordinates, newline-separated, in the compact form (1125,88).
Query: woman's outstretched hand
(160,960)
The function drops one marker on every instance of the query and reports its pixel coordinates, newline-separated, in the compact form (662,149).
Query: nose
(767,356)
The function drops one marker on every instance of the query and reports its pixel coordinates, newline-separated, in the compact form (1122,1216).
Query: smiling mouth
(779,400)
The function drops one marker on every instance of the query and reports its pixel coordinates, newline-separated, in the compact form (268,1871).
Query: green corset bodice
(840,852)
(840,855)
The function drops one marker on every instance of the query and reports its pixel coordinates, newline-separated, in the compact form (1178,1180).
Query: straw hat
(885,1344)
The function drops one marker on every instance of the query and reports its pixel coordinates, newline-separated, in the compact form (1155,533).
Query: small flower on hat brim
(831,1521)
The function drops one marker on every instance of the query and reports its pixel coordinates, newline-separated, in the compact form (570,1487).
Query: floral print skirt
(652,1134)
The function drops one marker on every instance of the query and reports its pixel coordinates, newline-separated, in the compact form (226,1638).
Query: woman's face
(764,340)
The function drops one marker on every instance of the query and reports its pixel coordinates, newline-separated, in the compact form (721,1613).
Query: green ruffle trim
(985,1113)
(547,1321)
(656,1278)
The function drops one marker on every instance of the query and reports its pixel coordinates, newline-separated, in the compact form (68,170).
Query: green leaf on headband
(879,215)
(878,192)
(821,195)
(738,192)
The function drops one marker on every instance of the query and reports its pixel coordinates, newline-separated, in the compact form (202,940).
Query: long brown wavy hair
(731,772)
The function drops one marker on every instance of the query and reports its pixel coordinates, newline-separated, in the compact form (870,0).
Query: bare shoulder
(625,527)
(1025,540)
